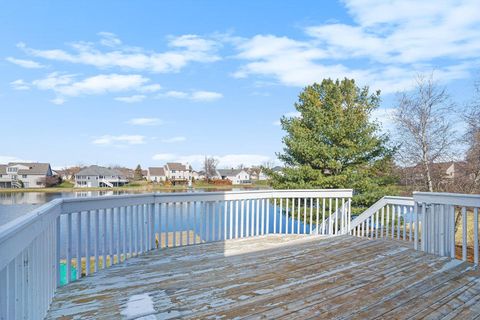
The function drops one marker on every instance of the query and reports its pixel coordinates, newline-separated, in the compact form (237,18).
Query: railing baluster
(262,226)
(336,216)
(267,216)
(464,234)
(79,245)
(242,218)
(317,217)
(119,234)
(104,243)
(111,253)
(257,217)
(475,236)
(88,243)
(304,215)
(275,215)
(69,248)
(323,216)
(180,204)
(124,211)
(236,218)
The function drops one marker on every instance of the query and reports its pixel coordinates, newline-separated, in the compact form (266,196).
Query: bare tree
(472,139)
(210,167)
(424,126)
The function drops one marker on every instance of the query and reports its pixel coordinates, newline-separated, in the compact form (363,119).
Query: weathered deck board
(277,277)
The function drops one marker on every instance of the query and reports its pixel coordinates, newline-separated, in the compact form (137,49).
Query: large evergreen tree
(334,144)
(137,174)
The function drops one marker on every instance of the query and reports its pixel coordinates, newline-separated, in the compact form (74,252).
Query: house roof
(229,172)
(177,166)
(99,171)
(156,171)
(33,167)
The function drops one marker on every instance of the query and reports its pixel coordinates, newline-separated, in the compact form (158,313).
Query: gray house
(24,175)
(237,176)
(96,176)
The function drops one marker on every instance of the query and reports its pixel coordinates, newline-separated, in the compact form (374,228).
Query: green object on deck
(63,273)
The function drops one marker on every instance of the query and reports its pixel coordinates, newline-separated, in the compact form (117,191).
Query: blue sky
(121,82)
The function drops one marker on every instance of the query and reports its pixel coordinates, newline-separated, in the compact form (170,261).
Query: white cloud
(176,94)
(119,140)
(164,156)
(225,161)
(20,85)
(109,39)
(103,83)
(145,121)
(184,50)
(6,159)
(205,96)
(293,114)
(58,101)
(198,96)
(388,43)
(131,99)
(29,64)
(67,85)
(174,139)
(150,88)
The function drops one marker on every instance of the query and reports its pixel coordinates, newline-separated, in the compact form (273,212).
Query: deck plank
(277,277)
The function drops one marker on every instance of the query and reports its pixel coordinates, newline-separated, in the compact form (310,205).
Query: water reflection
(16,204)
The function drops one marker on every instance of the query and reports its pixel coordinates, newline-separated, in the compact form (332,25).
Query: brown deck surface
(278,277)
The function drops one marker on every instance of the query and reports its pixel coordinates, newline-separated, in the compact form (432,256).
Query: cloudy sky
(117,82)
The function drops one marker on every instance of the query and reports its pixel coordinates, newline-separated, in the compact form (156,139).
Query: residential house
(257,174)
(96,176)
(177,172)
(24,175)
(127,172)
(441,173)
(237,176)
(156,174)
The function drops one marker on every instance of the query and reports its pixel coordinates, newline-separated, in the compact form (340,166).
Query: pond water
(16,204)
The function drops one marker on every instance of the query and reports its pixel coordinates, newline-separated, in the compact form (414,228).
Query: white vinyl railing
(445,216)
(389,217)
(69,238)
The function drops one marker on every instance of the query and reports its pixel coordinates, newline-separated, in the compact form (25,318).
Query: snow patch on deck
(449,265)
(139,305)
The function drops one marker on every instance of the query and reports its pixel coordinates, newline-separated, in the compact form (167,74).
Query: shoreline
(151,188)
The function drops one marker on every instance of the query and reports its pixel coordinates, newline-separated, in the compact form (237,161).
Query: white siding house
(178,172)
(96,176)
(26,175)
(156,174)
(237,176)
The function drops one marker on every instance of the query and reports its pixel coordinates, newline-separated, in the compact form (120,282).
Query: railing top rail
(17,234)
(100,202)
(466,200)
(403,201)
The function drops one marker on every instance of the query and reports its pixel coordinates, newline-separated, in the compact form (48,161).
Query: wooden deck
(277,277)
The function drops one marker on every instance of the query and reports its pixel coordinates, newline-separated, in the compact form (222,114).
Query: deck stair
(107,183)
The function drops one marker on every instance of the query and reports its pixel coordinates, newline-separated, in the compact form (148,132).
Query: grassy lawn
(139,186)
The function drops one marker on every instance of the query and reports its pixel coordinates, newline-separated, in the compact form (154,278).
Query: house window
(24,176)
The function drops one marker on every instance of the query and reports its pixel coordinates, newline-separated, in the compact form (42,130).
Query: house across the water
(237,176)
(24,175)
(96,176)
(156,174)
